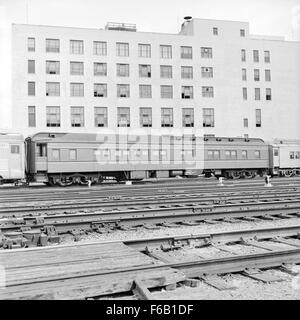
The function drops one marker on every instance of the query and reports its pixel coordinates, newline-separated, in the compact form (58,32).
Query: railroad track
(51,226)
(84,270)
(44,193)
(9,209)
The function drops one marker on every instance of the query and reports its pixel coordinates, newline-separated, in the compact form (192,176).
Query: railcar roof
(91,137)
(11,137)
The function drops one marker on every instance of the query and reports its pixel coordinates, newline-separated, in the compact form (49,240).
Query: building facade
(213,76)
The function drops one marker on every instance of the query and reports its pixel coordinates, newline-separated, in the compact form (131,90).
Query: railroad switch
(52,234)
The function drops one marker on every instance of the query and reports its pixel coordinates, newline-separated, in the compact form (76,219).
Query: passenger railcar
(285,158)
(235,157)
(68,158)
(12,158)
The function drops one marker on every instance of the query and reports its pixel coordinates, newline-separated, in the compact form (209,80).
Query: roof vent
(51,135)
(187,18)
(120,26)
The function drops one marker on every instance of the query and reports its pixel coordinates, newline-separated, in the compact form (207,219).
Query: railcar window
(275,153)
(73,154)
(213,154)
(41,150)
(15,149)
(297,155)
(244,154)
(292,155)
(56,154)
(257,154)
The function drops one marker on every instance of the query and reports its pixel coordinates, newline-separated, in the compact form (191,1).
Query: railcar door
(41,157)
(15,162)
(276,160)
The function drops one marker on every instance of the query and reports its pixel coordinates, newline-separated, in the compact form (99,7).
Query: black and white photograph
(149,150)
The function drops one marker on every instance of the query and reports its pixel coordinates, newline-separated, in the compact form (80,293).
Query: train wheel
(288,173)
(64,182)
(235,175)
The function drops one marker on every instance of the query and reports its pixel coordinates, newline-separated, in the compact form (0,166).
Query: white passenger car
(286,158)
(12,158)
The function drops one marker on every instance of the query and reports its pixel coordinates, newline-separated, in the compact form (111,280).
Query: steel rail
(8,210)
(161,214)
(95,197)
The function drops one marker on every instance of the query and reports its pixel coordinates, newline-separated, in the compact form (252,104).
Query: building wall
(280,116)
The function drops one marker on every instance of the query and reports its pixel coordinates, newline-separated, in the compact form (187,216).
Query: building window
(186,52)
(31,66)
(245,94)
(145,117)
(100,69)
(244,74)
(77,116)
(258,117)
(166,117)
(243,55)
(123,117)
(242,32)
(268,94)
(76,68)
(244,154)
(257,93)
(100,90)
(187,72)
(100,117)
(206,72)
(206,52)
(215,31)
(257,154)
(31,88)
(145,91)
(53,116)
(187,92)
(123,91)
(267,56)
(144,50)
(52,89)
(165,52)
(207,92)
(100,48)
(188,117)
(15,149)
(230,154)
(76,46)
(52,45)
(245,122)
(31,44)
(208,117)
(255,56)
(145,70)
(166,72)
(31,116)
(256,74)
(52,67)
(122,70)
(166,92)
(77,89)
(267,75)
(213,155)
(122,49)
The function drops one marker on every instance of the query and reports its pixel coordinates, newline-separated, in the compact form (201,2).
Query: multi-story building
(212,76)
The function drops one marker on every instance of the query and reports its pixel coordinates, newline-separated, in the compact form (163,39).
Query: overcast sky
(269,17)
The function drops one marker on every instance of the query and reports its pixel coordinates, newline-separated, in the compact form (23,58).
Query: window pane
(145,117)
(100,48)
(31,66)
(52,45)
(31,116)
(100,117)
(77,116)
(53,116)
(76,46)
